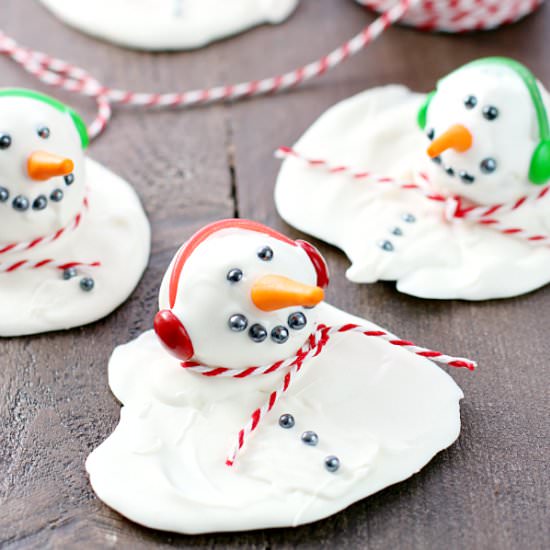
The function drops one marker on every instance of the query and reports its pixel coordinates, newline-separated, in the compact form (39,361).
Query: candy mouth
(22,202)
(259,333)
(451,171)
(464,176)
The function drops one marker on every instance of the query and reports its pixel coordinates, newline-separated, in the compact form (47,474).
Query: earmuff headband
(61,107)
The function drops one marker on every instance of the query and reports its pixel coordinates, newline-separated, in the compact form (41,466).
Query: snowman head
(41,165)
(489,130)
(239,294)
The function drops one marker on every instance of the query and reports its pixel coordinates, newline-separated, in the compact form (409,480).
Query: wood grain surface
(490,490)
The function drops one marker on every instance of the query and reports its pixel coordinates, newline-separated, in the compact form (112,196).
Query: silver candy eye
(265,253)
(488,165)
(470,101)
(490,112)
(43,132)
(234,275)
(5,141)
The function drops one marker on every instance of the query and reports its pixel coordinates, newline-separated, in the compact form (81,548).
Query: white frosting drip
(377,131)
(383,411)
(168,24)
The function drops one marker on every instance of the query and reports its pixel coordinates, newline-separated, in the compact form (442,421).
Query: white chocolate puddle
(168,24)
(114,230)
(381,410)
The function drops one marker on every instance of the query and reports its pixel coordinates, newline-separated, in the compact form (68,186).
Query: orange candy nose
(272,292)
(457,137)
(42,166)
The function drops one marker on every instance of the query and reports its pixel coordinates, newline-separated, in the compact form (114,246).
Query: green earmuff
(539,169)
(31,94)
(423,111)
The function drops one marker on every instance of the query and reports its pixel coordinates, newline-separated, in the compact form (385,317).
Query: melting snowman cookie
(168,24)
(74,239)
(457,210)
(256,404)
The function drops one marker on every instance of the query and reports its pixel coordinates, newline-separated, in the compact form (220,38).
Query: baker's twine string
(13,247)
(313,347)
(453,206)
(451,15)
(6,267)
(458,16)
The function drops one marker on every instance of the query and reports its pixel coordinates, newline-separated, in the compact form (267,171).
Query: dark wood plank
(490,490)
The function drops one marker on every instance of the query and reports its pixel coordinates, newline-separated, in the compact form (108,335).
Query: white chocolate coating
(114,231)
(377,131)
(168,24)
(383,411)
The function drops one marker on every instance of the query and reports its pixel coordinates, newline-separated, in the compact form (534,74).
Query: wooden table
(489,490)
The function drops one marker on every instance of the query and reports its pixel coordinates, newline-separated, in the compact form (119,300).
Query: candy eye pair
(5,139)
(490,112)
(265,254)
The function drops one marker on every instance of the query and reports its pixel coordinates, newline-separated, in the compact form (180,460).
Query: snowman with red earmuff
(74,239)
(261,315)
(329,411)
(456,211)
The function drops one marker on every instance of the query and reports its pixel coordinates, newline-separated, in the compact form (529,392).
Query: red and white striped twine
(454,209)
(459,15)
(6,267)
(313,347)
(10,267)
(448,15)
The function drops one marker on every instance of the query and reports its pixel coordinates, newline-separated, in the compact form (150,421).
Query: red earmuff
(321,267)
(173,335)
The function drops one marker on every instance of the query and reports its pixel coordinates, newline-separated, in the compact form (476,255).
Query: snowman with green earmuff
(42,171)
(74,239)
(489,129)
(463,209)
